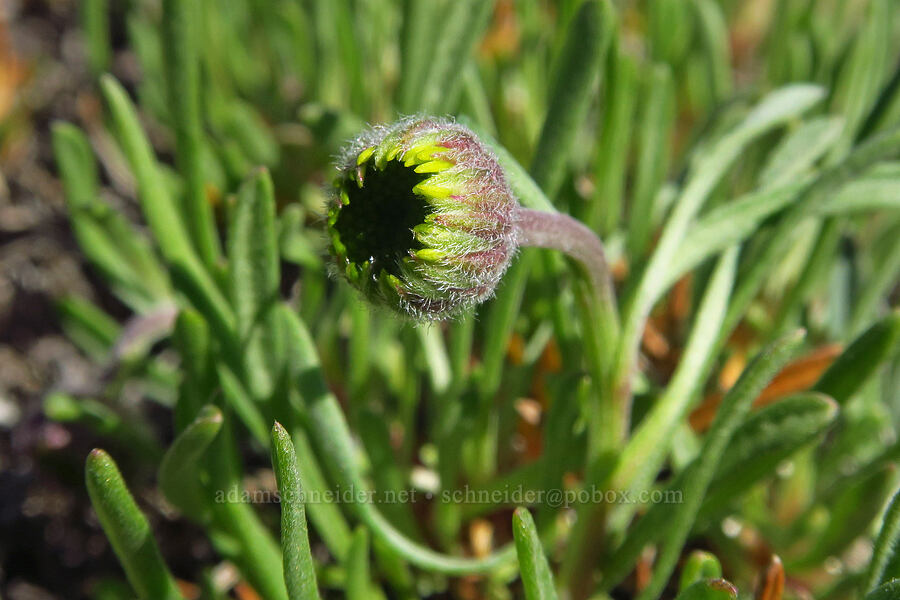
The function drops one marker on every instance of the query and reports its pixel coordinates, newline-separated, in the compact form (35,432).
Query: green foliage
(737,198)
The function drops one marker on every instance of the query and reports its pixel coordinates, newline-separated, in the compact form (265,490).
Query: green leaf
(857,84)
(128,530)
(179,471)
(457,35)
(715,37)
(104,421)
(772,111)
(885,563)
(106,238)
(700,566)
(605,208)
(535,571)
(192,339)
(654,128)
(728,225)
(798,151)
(642,457)
(758,446)
(765,440)
(863,195)
(435,355)
(86,324)
(245,539)
(331,437)
(182,63)
(712,589)
(861,359)
(734,408)
(577,67)
(888,591)
(299,569)
(357,565)
(95,25)
(773,246)
(850,514)
(254,271)
(243,404)
(162,214)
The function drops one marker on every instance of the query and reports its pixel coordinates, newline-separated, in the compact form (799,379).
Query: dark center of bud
(376,225)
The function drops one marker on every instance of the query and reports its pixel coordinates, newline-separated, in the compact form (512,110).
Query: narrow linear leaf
(888,591)
(254,271)
(645,453)
(712,589)
(800,149)
(192,339)
(458,34)
(735,406)
(700,566)
(243,404)
(654,151)
(357,566)
(533,567)
(605,209)
(331,437)
(128,530)
(850,513)
(299,569)
(159,209)
(179,471)
(885,563)
(861,359)
(587,40)
(765,440)
(183,78)
(772,111)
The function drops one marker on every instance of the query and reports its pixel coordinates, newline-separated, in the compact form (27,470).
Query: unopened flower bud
(422,218)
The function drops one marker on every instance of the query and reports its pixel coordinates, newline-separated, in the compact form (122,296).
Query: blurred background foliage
(110,337)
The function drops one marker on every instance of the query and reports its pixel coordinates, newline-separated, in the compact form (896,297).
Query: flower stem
(598,302)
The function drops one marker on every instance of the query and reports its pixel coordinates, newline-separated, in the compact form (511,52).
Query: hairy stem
(598,302)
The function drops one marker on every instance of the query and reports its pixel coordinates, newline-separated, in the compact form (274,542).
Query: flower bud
(422,218)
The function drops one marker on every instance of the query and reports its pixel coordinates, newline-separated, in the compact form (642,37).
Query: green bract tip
(422,219)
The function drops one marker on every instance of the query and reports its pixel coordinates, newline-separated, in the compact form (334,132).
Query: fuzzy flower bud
(422,218)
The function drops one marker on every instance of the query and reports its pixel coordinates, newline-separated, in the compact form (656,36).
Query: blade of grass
(128,530)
